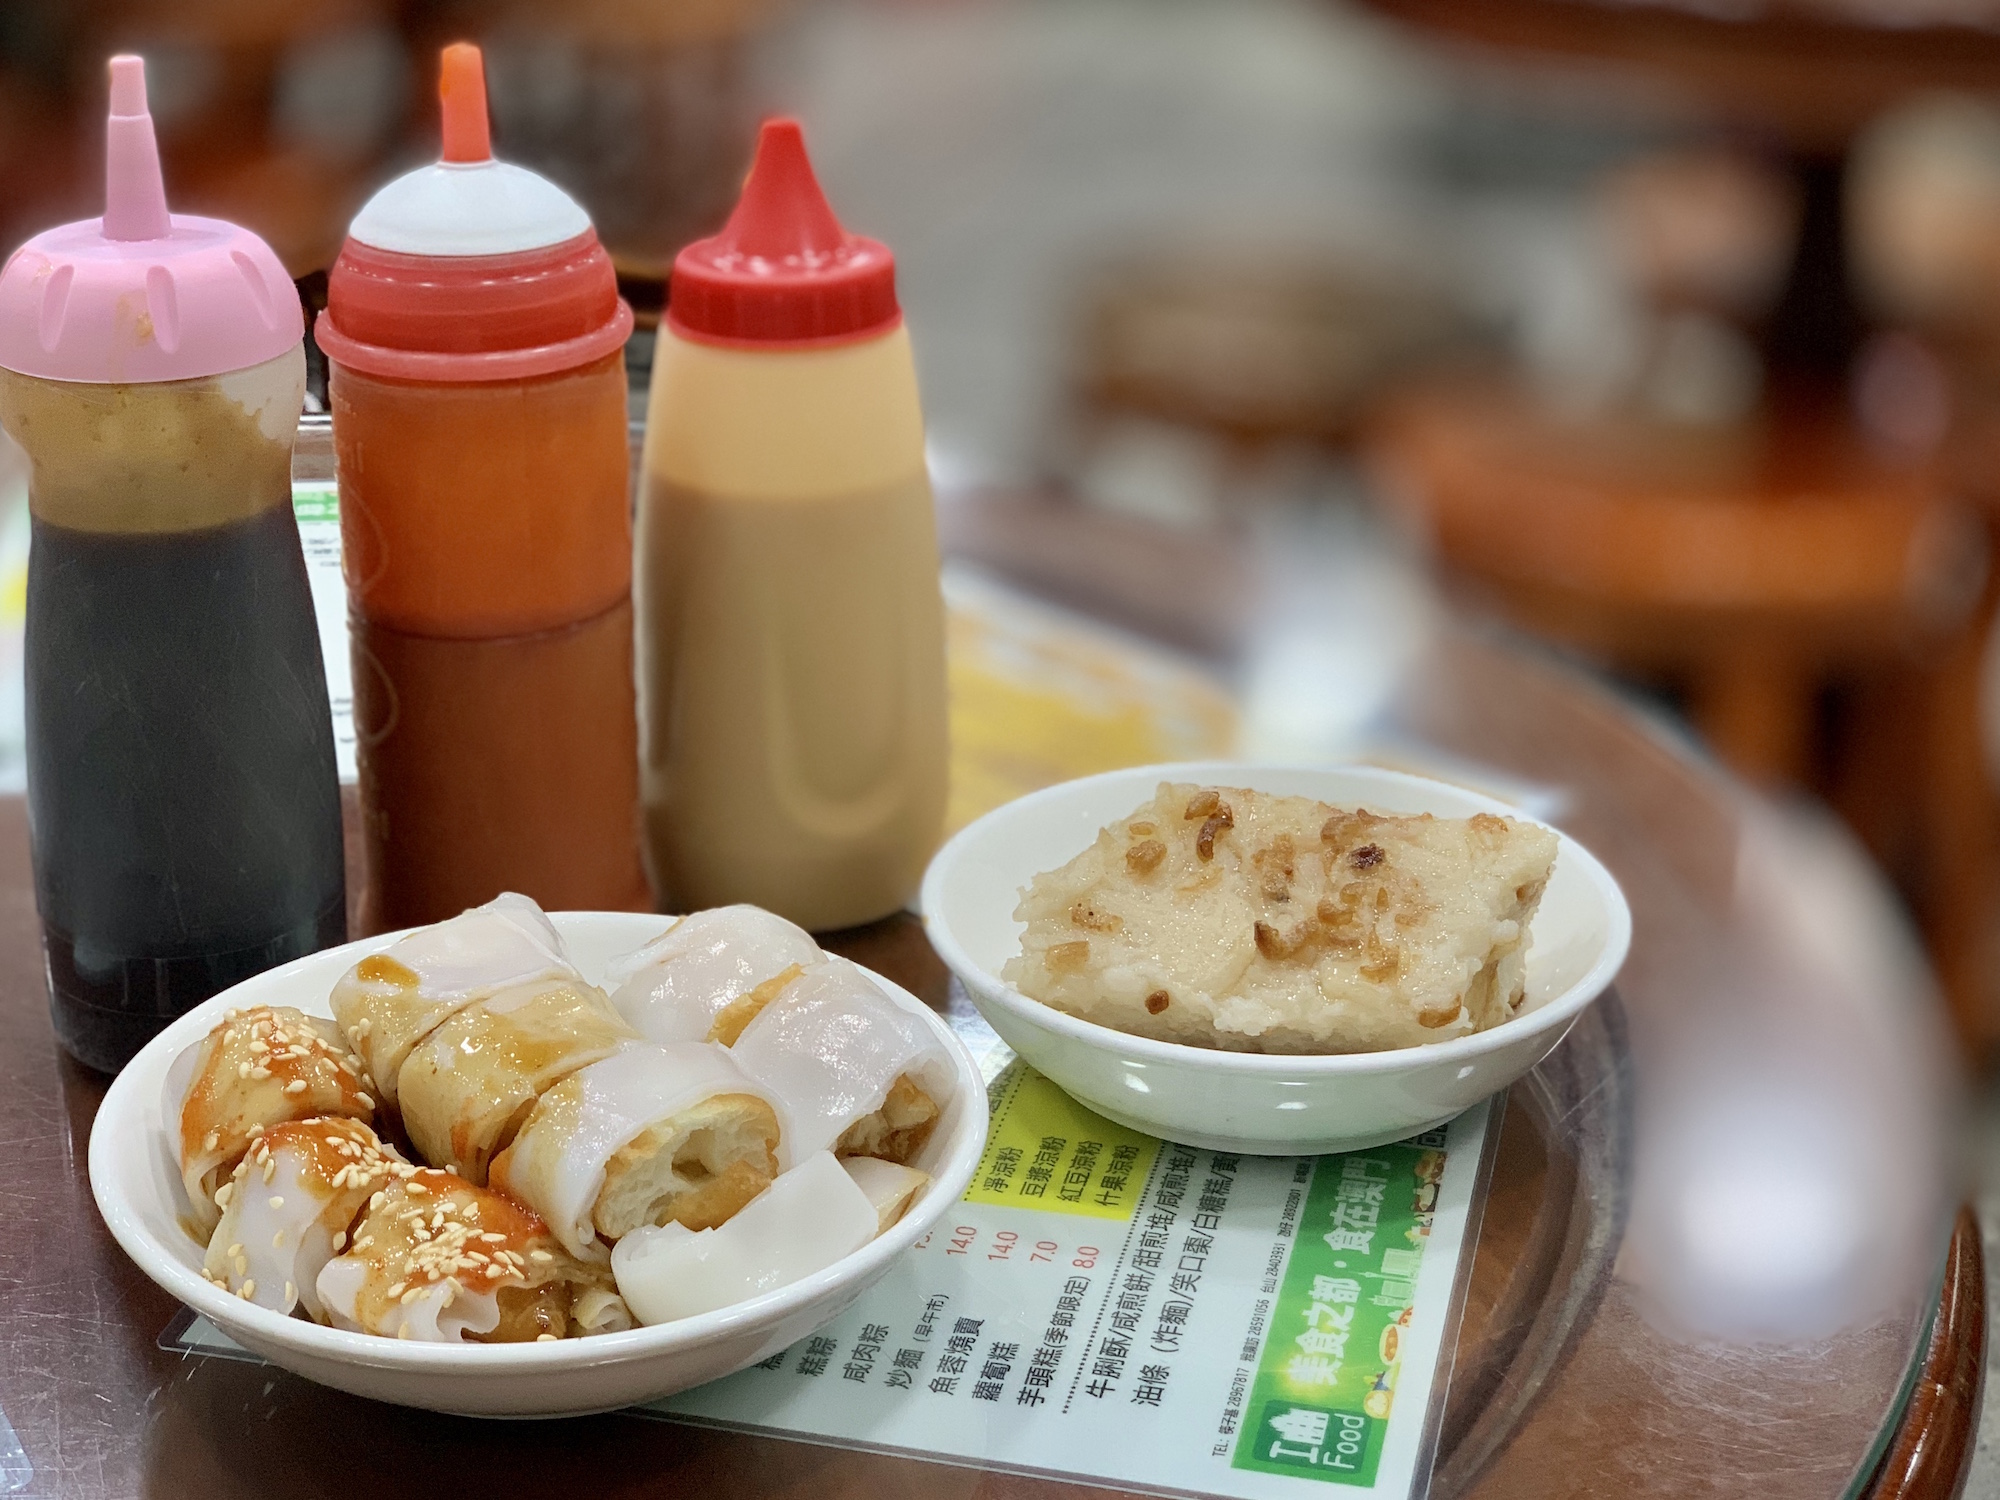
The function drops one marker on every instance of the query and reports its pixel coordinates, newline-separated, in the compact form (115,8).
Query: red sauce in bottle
(474,337)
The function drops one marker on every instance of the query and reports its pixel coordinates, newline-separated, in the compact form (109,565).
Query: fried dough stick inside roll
(467,1087)
(853,1071)
(437,1259)
(259,1068)
(651,1135)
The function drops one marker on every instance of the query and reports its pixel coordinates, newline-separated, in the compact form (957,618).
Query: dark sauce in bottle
(182,791)
(181,774)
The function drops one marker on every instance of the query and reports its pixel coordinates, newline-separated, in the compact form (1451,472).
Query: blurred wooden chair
(1204,376)
(1806,79)
(1758,572)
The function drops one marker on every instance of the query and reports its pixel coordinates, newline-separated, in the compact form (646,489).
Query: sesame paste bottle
(791,625)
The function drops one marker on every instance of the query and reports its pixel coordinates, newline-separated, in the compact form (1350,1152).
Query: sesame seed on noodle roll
(259,1068)
(288,1209)
(438,1260)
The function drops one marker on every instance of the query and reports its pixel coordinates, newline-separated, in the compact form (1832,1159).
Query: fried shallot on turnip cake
(1228,918)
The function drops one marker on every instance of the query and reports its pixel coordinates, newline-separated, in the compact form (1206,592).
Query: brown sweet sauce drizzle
(380,968)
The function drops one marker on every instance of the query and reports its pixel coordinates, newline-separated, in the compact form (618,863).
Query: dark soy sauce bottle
(182,795)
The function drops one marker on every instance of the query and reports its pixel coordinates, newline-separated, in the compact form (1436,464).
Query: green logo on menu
(1326,1378)
(1332,1444)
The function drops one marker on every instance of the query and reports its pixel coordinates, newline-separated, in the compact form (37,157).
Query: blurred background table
(1564,1384)
(1813,539)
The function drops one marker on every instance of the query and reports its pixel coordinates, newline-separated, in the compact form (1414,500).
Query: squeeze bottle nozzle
(471,269)
(135,197)
(462,96)
(783,215)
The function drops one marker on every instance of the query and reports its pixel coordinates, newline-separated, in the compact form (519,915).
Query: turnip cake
(1222,917)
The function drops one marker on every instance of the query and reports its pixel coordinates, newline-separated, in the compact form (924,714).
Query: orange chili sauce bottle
(474,337)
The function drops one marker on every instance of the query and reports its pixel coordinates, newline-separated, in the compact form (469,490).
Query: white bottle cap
(468,203)
(469,208)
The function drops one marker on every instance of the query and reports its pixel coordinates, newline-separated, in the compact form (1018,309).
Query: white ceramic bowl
(1251,1102)
(138,1191)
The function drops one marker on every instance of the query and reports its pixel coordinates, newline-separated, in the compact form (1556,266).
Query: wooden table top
(1565,1382)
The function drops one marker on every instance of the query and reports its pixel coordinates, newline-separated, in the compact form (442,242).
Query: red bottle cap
(471,269)
(783,271)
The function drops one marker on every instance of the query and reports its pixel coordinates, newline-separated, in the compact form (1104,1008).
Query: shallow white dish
(138,1191)
(1253,1102)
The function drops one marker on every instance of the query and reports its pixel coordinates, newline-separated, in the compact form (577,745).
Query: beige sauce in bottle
(791,631)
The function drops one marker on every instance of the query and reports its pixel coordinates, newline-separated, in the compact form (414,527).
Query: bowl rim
(123,1105)
(1558,1010)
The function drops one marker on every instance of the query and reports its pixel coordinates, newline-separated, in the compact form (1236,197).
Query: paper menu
(1108,1307)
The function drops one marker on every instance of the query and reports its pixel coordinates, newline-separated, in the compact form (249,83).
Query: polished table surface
(1568,1378)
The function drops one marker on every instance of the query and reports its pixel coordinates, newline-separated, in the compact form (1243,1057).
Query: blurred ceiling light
(1809,1225)
(1775,1201)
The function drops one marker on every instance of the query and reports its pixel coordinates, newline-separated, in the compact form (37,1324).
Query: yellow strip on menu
(1046,1151)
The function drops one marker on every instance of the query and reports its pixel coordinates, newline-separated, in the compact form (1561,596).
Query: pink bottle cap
(141,294)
